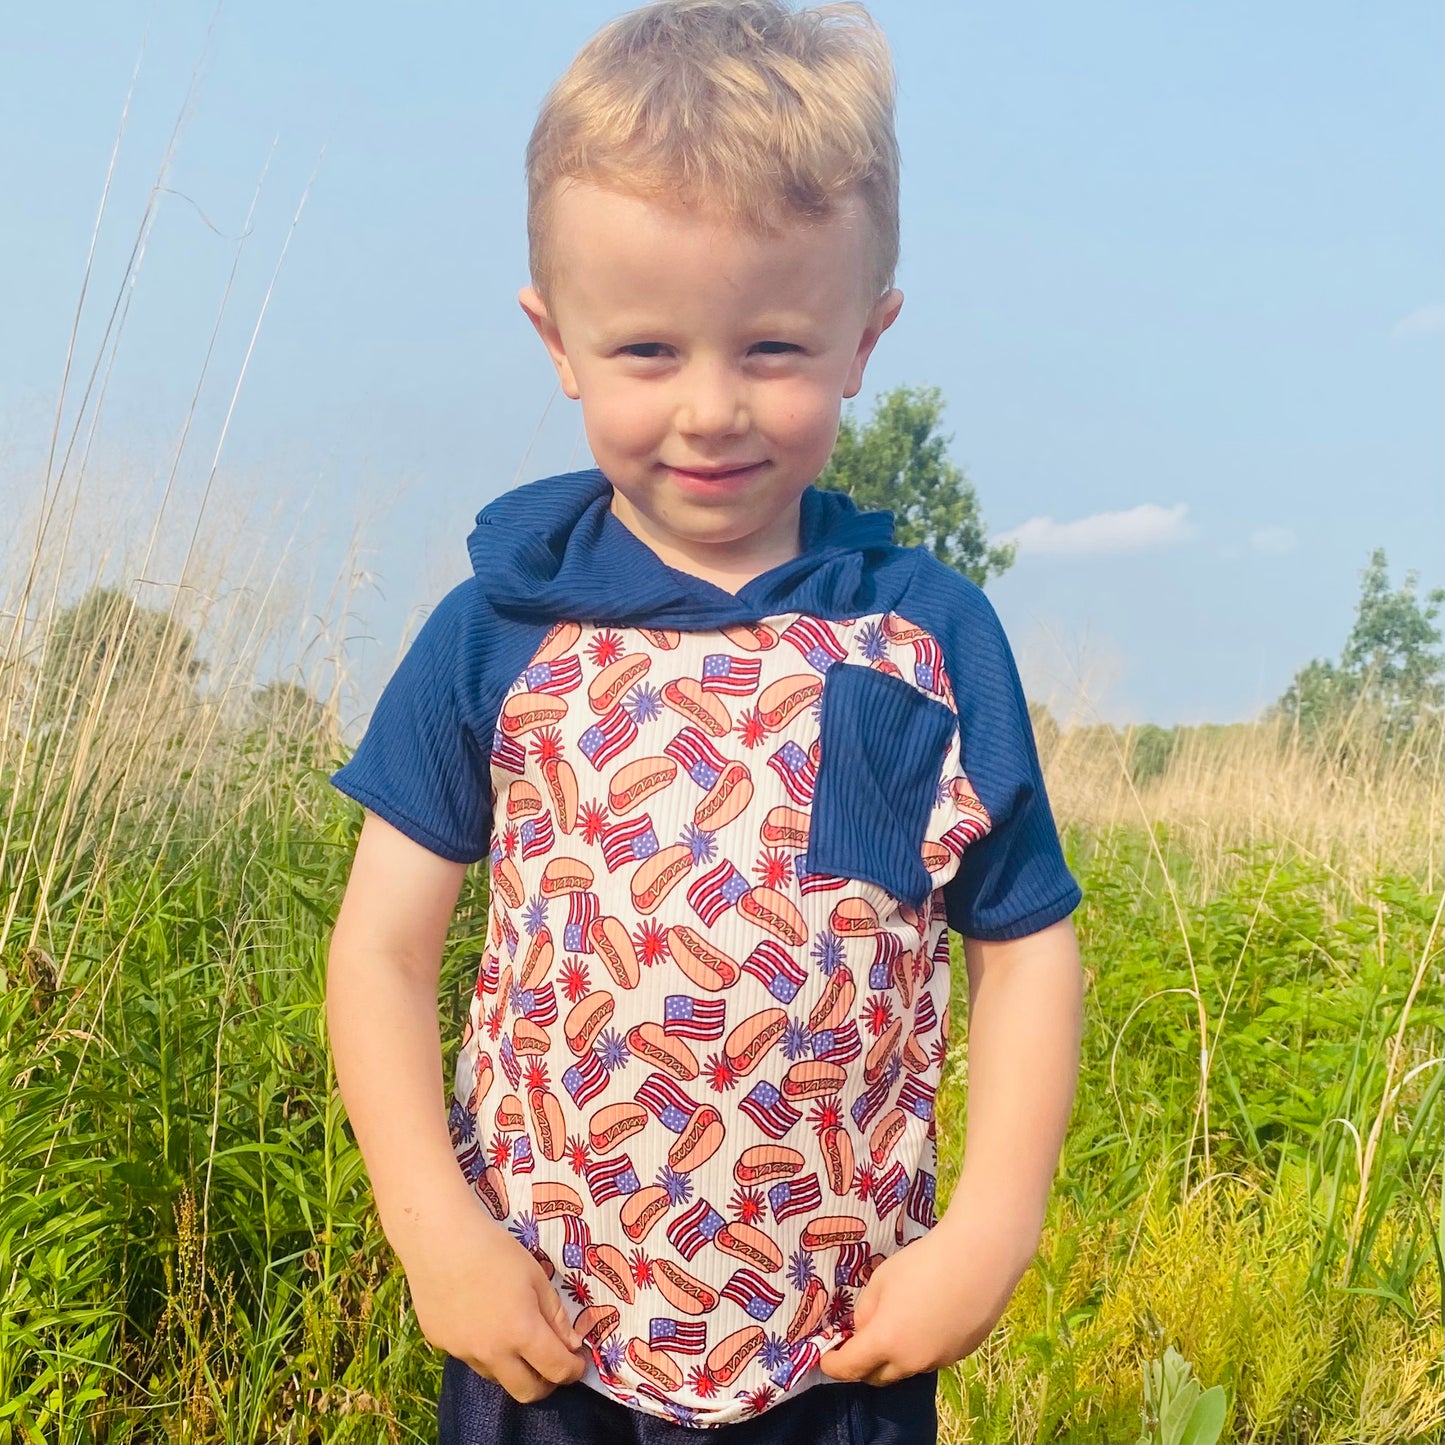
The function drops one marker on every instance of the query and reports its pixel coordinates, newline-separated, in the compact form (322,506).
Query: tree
(1389,668)
(108,641)
(898,460)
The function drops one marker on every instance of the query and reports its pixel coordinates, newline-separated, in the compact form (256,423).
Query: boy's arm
(478,1294)
(936,1301)
(1025,1022)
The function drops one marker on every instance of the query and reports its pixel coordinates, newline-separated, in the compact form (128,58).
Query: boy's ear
(880,318)
(540,317)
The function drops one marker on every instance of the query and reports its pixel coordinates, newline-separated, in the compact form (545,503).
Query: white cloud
(1134,530)
(1427,321)
(1274,541)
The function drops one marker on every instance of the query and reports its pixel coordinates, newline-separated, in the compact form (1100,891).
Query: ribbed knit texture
(726,835)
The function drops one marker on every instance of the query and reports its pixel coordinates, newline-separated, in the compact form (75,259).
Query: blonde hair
(746,107)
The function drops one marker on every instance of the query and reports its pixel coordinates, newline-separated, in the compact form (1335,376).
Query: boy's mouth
(715,476)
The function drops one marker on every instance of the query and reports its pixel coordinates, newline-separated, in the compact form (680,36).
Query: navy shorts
(477,1411)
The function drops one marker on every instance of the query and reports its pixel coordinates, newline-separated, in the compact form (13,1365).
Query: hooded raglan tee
(727,835)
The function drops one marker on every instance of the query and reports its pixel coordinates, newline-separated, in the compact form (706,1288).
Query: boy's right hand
(480,1296)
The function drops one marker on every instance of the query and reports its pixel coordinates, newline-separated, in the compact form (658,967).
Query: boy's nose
(712,405)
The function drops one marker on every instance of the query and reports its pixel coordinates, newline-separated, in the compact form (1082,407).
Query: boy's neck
(729,565)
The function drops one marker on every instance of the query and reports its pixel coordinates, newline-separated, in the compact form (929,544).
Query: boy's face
(711,364)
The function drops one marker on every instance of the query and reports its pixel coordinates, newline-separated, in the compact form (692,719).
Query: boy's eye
(646,350)
(775,348)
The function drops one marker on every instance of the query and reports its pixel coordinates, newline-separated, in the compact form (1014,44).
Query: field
(187,1251)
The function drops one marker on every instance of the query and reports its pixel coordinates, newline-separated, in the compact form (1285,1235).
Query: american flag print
(750,1290)
(766,1107)
(796,769)
(629,841)
(716,891)
(583,910)
(777,968)
(607,1178)
(537,837)
(678,1337)
(662,1096)
(699,759)
(667,962)
(816,641)
(685,1017)
(557,678)
(694,1228)
(732,676)
(795,1196)
(604,740)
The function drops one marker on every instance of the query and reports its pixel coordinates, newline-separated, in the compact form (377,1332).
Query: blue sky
(1175,268)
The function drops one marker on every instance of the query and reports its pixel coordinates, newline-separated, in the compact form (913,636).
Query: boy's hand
(480,1296)
(935,1301)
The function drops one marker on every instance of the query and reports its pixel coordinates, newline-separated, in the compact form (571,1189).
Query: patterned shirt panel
(698,1075)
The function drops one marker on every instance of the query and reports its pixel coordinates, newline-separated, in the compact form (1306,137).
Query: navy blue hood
(552,550)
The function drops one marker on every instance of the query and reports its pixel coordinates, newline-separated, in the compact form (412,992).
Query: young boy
(737,763)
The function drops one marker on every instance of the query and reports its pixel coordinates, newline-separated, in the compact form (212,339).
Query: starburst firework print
(702,1382)
(499,1151)
(774,868)
(605,647)
(751,728)
(678,1185)
(461,1123)
(611,1353)
(872,643)
(578,1152)
(509,840)
(878,1014)
(701,844)
(495,1019)
(775,1351)
(747,1204)
(643,704)
(546,745)
(757,1400)
(593,821)
(864,1178)
(612,1049)
(826,1113)
(535,1074)
(535,918)
(650,941)
(576,979)
(720,1074)
(525,1228)
(640,1265)
(576,1285)
(801,1269)
(797,1039)
(828,951)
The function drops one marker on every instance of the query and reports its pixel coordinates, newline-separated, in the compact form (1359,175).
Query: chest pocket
(881,748)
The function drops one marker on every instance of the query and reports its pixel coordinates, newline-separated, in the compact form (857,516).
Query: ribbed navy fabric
(552,551)
(882,739)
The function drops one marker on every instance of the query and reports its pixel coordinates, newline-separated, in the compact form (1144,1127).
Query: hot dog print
(698,1076)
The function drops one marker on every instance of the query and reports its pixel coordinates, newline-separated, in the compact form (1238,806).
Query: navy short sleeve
(424,762)
(1014,880)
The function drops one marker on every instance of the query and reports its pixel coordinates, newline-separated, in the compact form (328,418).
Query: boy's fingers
(545,1353)
(852,1360)
(522,1382)
(556,1312)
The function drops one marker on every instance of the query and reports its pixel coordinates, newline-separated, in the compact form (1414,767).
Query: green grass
(188,1251)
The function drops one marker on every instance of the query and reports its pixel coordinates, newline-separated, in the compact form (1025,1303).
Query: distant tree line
(1388,683)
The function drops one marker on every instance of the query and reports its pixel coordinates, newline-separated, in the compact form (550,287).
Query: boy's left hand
(936,1300)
